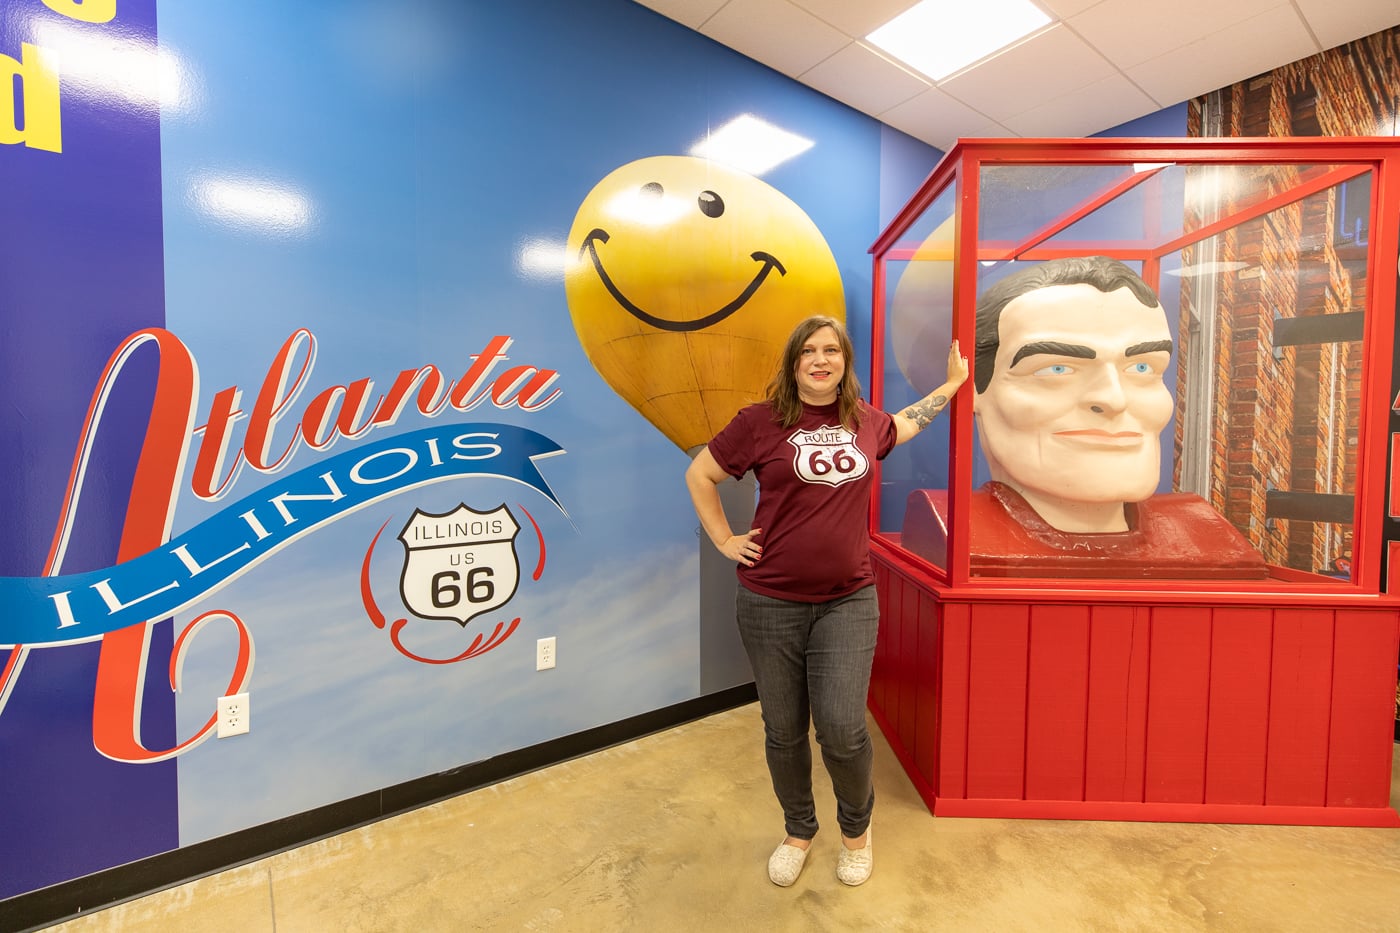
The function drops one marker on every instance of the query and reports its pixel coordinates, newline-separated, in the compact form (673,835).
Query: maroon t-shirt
(813,497)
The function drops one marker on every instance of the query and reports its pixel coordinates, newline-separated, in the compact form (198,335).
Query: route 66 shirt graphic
(828,455)
(814,481)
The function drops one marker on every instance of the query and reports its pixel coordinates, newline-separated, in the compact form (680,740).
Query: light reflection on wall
(751,145)
(261,205)
(108,69)
(650,206)
(540,259)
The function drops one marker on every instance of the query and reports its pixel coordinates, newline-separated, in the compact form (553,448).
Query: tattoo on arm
(922,412)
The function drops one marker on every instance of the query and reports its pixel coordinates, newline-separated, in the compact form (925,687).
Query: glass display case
(1139,571)
(1181,360)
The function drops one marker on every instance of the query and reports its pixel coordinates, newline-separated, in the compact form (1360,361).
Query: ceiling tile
(939,120)
(1064,9)
(856,20)
(1093,109)
(1242,51)
(775,32)
(1337,22)
(688,12)
(1165,51)
(863,78)
(1040,69)
(1130,32)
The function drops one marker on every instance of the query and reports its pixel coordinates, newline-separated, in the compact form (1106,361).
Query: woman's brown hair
(782,388)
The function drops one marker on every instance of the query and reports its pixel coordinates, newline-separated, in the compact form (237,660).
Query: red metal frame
(1084,210)
(961,168)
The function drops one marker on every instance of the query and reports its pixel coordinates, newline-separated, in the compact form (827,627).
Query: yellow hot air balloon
(684,278)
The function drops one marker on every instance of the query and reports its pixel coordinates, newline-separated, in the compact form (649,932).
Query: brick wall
(1287,418)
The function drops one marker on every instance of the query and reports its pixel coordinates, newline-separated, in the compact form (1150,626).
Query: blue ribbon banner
(42,611)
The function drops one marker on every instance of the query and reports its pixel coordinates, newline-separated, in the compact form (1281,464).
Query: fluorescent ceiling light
(1206,268)
(940,37)
(750,145)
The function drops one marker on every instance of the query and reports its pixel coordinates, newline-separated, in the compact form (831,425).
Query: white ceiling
(1099,64)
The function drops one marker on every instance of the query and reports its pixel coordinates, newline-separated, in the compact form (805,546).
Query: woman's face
(819,367)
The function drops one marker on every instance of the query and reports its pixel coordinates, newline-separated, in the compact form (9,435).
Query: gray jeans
(811,664)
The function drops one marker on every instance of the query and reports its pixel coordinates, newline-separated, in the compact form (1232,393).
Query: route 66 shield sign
(460,564)
(828,455)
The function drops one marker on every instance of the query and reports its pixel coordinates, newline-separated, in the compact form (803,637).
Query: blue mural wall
(282,313)
(1169,122)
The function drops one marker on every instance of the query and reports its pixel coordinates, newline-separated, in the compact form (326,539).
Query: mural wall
(1352,90)
(313,395)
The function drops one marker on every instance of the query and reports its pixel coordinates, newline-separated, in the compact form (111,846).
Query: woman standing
(806,603)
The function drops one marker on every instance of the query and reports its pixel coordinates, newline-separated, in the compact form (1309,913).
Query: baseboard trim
(35,910)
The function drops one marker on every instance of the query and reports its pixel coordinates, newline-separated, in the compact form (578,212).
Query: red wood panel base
(1161,711)
(1166,812)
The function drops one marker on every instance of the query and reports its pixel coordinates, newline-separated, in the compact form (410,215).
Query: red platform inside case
(1170,536)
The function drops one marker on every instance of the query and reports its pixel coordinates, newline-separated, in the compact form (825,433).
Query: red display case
(1140,569)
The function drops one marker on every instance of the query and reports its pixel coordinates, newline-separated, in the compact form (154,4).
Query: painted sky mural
(297,407)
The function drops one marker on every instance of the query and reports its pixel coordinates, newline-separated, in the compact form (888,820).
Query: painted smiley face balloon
(684,278)
(920,313)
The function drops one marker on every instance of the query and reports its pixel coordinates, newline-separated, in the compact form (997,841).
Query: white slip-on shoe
(854,865)
(785,864)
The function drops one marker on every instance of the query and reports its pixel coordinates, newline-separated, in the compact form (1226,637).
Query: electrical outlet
(544,654)
(233,715)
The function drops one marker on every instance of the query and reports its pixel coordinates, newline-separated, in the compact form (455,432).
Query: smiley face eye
(653,190)
(711,204)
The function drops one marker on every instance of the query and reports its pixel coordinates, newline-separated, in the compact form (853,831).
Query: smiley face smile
(669,274)
(767,261)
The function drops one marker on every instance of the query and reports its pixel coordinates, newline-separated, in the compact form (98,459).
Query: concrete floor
(672,833)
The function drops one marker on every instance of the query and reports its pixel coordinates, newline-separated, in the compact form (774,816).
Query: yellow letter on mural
(38,82)
(87,11)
